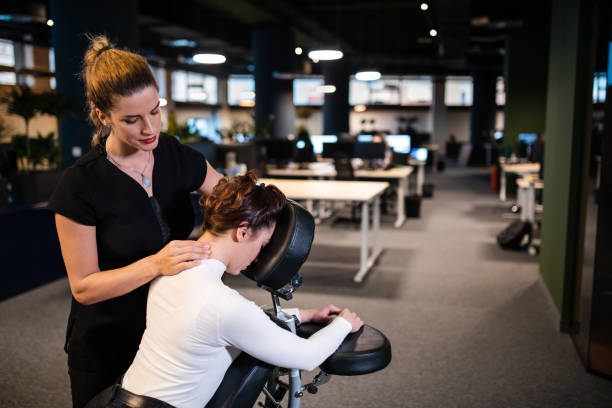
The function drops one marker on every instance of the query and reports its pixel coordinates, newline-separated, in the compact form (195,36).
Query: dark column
(482,114)
(336,108)
(568,119)
(118,19)
(273,57)
(526,71)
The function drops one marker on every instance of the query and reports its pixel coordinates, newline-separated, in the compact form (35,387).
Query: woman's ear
(243,232)
(103,117)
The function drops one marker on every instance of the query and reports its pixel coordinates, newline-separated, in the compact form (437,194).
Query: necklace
(144,179)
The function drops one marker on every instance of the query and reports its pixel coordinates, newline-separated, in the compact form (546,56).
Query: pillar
(273,56)
(73,20)
(568,118)
(336,107)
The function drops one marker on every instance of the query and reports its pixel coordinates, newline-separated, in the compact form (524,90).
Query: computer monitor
(365,138)
(399,143)
(419,154)
(318,140)
(369,150)
(279,150)
(527,138)
(497,135)
(331,149)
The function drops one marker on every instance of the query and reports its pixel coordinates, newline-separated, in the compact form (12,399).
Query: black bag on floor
(517,235)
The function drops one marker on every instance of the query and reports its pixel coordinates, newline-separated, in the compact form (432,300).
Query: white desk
(520,169)
(366,192)
(401,174)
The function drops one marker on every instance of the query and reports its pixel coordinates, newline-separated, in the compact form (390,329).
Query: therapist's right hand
(178,255)
(352,318)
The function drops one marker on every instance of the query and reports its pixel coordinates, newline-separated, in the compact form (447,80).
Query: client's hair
(238,199)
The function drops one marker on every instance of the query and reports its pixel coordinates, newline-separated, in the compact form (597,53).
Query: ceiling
(392,36)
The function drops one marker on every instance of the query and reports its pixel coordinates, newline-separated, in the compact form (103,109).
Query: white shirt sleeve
(244,325)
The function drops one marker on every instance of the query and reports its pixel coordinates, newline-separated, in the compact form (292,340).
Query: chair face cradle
(363,352)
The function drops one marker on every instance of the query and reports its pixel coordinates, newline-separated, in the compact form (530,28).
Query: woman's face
(249,248)
(136,120)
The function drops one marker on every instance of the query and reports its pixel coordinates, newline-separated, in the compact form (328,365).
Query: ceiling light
(326,89)
(424,6)
(163,102)
(209,58)
(367,76)
(325,55)
(360,108)
(433,32)
(298,50)
(50,23)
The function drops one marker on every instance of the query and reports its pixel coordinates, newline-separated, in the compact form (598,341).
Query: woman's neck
(116,148)
(220,246)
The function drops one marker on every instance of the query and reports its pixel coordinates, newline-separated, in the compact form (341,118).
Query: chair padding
(363,352)
(287,250)
(242,383)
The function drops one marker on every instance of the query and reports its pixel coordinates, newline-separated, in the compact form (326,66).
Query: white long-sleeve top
(193,320)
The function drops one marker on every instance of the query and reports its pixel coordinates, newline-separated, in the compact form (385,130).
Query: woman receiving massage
(196,326)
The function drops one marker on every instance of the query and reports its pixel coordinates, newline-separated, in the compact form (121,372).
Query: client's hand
(177,256)
(352,318)
(320,315)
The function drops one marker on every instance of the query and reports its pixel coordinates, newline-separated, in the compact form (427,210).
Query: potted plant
(38,158)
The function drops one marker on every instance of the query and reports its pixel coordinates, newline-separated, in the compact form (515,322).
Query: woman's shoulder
(87,165)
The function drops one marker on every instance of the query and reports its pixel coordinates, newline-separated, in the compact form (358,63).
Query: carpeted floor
(470,325)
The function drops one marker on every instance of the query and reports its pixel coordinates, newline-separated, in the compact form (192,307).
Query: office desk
(520,169)
(366,192)
(399,174)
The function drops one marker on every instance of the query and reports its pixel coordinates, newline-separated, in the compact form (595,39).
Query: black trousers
(86,385)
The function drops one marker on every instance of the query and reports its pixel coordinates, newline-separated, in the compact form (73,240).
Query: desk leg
(530,204)
(366,262)
(402,188)
(502,187)
(420,179)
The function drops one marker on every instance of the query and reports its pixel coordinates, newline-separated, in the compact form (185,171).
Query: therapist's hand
(320,315)
(177,256)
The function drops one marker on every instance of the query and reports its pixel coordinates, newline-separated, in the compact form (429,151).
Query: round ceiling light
(424,6)
(209,58)
(367,76)
(433,32)
(325,55)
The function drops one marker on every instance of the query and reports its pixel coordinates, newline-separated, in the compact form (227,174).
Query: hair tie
(107,47)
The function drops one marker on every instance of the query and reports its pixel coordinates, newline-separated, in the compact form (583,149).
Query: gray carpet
(470,325)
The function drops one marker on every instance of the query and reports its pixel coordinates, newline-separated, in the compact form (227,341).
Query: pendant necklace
(144,179)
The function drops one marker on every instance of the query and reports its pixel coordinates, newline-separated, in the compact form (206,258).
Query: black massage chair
(277,271)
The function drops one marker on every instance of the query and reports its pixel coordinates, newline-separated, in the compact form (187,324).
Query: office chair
(344,171)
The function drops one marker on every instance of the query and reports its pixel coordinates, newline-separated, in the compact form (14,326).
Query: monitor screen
(498,135)
(318,140)
(527,138)
(279,149)
(419,154)
(367,150)
(365,138)
(330,149)
(399,143)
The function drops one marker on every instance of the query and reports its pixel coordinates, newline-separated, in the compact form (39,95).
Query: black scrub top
(95,192)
